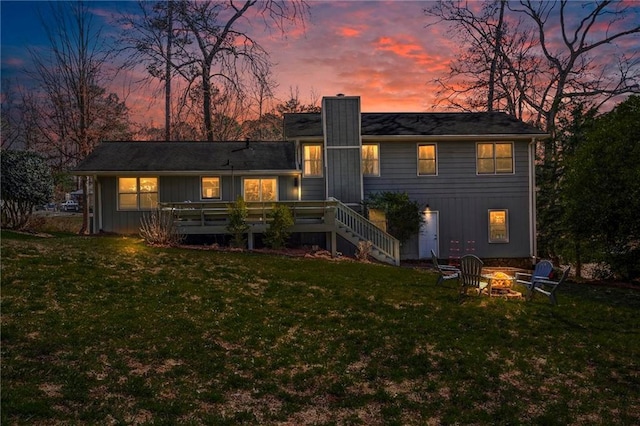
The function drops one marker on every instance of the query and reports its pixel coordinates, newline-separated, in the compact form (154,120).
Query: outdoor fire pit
(501,284)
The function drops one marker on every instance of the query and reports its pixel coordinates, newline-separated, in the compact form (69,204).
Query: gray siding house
(473,173)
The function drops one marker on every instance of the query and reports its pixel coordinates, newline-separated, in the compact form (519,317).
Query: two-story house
(472,172)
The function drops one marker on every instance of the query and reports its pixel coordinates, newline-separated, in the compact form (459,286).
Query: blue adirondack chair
(540,272)
(549,287)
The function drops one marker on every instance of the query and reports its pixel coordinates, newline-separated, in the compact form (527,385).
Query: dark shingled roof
(408,124)
(189,156)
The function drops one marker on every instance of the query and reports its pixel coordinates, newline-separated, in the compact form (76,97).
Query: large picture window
(261,189)
(137,193)
(498,226)
(210,188)
(427,160)
(494,158)
(312,160)
(370,160)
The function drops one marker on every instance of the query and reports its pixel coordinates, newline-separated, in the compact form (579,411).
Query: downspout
(533,232)
(326,150)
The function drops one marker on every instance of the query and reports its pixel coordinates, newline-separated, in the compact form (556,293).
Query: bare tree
(535,70)
(262,97)
(211,46)
(294,103)
(572,72)
(74,110)
(496,55)
(150,36)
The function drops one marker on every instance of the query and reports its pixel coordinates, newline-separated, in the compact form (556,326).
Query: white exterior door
(429,235)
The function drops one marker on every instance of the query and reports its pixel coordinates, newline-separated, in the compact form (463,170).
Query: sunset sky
(380,50)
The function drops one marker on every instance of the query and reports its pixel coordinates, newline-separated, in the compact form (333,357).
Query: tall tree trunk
(167,83)
(496,55)
(206,103)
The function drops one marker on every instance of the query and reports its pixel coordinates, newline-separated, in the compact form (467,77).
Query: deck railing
(308,216)
(211,213)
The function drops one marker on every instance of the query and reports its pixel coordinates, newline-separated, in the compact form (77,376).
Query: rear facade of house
(471,173)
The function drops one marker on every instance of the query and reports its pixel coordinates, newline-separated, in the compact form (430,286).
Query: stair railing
(366,230)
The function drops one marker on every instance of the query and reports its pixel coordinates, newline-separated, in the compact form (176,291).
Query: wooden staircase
(355,228)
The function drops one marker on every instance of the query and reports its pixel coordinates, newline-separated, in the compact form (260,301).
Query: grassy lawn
(104,330)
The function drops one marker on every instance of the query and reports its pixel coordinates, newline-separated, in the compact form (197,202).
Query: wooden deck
(331,217)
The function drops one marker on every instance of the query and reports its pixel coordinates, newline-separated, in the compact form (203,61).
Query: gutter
(533,231)
(124,173)
(409,138)
(456,138)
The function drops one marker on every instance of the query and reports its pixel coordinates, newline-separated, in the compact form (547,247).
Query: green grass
(106,330)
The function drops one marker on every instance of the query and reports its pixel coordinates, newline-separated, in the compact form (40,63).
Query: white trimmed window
(210,188)
(312,154)
(427,165)
(137,193)
(260,189)
(498,226)
(370,159)
(494,158)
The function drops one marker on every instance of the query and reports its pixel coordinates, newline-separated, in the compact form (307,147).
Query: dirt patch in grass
(287,252)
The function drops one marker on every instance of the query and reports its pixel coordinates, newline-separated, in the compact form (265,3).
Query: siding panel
(462,197)
(342,148)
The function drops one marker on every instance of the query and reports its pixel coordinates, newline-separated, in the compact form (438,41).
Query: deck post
(333,243)
(250,240)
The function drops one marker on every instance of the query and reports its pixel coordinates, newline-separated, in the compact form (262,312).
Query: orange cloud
(350,32)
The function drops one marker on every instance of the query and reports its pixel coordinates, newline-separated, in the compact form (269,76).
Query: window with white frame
(137,193)
(494,157)
(260,189)
(498,226)
(210,187)
(312,154)
(427,165)
(370,159)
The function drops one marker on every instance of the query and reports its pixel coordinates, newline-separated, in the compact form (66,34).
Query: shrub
(404,216)
(280,221)
(159,229)
(238,226)
(26,183)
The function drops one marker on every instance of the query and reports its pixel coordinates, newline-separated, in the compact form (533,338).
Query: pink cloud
(350,32)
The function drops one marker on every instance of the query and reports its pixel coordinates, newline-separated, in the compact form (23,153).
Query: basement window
(498,226)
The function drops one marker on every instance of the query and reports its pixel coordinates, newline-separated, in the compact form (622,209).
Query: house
(472,172)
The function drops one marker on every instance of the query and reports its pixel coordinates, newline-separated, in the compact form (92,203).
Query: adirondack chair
(541,271)
(471,275)
(446,272)
(549,287)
